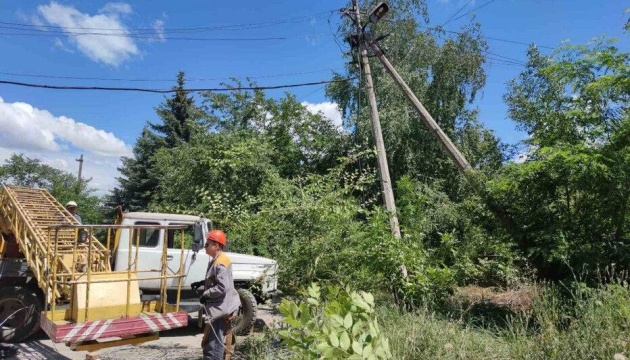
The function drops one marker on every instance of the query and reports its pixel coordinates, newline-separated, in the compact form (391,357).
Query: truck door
(194,266)
(148,251)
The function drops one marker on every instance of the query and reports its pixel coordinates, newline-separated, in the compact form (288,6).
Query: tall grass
(563,323)
(577,323)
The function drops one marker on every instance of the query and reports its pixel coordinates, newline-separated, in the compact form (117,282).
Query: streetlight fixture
(377,13)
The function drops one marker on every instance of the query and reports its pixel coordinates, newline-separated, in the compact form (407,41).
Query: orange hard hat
(217,236)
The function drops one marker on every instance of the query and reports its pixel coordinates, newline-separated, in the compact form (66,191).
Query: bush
(338,324)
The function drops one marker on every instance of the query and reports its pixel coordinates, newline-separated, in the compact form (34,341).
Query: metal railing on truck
(107,304)
(85,301)
(27,213)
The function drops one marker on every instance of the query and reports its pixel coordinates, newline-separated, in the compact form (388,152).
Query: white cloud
(116,9)
(24,127)
(158,26)
(59,45)
(58,141)
(329,110)
(100,46)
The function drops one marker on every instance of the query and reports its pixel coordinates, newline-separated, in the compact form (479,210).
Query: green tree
(446,73)
(571,196)
(253,140)
(180,118)
(19,170)
(302,142)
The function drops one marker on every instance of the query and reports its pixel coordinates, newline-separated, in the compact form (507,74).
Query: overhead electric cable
(166,91)
(458,11)
(506,58)
(246,26)
(48,34)
(477,8)
(157,79)
(439,28)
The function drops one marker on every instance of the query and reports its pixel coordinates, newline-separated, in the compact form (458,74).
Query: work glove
(196,285)
(203,299)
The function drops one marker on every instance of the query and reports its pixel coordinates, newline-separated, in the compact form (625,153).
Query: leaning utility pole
(451,150)
(386,183)
(364,41)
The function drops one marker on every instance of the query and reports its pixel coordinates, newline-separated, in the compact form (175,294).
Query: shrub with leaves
(338,324)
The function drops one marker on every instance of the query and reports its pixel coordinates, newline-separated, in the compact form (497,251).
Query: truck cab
(247,269)
(255,277)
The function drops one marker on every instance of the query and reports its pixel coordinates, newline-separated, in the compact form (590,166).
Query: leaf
(357,348)
(347,321)
(322,347)
(356,329)
(312,301)
(344,341)
(369,298)
(305,314)
(338,319)
(367,351)
(314,291)
(334,340)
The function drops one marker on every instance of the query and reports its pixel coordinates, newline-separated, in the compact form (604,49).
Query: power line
(477,8)
(166,91)
(157,79)
(439,28)
(295,19)
(49,34)
(458,11)
(506,58)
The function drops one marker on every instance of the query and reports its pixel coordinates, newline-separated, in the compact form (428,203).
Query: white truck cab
(246,268)
(253,275)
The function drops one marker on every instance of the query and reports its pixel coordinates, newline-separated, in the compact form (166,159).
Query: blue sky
(57,126)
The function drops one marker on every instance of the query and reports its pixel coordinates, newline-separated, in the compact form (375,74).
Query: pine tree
(180,117)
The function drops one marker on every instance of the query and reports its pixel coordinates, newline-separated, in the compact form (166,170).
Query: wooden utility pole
(446,143)
(451,150)
(386,183)
(80,160)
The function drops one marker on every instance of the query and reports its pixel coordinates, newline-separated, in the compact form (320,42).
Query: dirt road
(178,344)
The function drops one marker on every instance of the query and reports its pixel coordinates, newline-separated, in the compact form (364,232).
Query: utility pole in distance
(386,183)
(80,160)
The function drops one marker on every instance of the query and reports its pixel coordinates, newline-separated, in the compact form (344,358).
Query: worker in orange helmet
(220,298)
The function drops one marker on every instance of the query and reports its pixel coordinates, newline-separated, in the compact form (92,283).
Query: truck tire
(246,318)
(26,306)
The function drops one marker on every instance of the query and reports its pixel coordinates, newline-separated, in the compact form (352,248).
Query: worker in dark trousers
(220,298)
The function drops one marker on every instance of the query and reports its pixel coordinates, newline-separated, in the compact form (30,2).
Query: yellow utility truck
(124,283)
(58,274)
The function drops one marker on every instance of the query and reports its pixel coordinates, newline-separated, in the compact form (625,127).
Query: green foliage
(445,72)
(317,229)
(300,142)
(570,198)
(214,174)
(338,324)
(460,239)
(23,171)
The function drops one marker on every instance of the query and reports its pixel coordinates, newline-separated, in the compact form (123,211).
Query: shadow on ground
(32,350)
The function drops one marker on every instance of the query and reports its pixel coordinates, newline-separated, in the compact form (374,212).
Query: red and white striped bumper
(119,327)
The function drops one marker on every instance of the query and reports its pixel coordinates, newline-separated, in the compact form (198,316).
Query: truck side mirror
(198,238)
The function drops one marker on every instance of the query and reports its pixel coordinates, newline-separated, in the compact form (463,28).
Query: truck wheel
(244,322)
(20,309)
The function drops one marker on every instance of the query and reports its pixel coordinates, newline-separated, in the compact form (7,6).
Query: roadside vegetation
(551,283)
